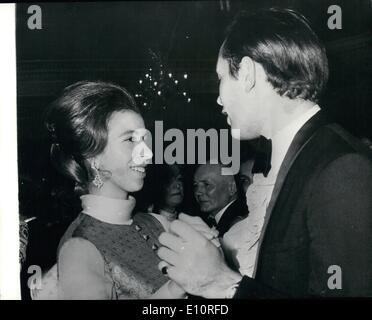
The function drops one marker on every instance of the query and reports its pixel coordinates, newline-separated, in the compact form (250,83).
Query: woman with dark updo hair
(99,141)
(169,193)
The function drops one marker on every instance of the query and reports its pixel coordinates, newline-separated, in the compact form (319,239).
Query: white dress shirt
(241,241)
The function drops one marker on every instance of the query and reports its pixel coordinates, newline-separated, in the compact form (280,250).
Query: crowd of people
(300,204)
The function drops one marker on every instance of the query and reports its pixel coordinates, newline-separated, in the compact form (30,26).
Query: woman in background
(168,191)
(108,252)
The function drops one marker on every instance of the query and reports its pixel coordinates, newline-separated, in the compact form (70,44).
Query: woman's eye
(132,139)
(138,138)
(129,140)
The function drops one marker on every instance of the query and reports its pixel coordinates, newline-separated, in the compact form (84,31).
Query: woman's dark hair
(77,122)
(283,42)
(163,175)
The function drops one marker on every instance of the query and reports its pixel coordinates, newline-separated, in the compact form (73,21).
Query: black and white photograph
(188,150)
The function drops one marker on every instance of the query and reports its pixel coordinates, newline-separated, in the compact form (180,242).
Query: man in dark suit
(309,230)
(218,197)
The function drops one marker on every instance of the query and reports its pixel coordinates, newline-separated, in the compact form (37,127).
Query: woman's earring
(97,177)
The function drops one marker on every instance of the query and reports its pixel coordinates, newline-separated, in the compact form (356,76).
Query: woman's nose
(219,101)
(141,153)
(147,154)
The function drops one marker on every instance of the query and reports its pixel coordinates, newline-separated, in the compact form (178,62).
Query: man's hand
(170,290)
(199,225)
(195,263)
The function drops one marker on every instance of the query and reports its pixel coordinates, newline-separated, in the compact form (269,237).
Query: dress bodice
(128,252)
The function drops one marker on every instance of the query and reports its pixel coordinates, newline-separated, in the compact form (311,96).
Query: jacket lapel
(302,137)
(237,210)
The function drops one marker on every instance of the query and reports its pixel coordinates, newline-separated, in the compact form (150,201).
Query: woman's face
(174,190)
(126,155)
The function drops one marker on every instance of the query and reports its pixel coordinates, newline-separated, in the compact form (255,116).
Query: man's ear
(247,73)
(232,187)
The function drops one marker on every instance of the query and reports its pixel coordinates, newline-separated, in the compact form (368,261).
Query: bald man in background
(218,198)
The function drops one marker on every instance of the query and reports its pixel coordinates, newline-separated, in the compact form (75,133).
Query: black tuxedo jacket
(319,216)
(236,211)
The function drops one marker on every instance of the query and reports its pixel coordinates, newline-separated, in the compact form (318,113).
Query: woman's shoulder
(78,250)
(82,272)
(76,258)
(70,230)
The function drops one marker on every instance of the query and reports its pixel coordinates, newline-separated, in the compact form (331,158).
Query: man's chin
(236,133)
(205,210)
(240,135)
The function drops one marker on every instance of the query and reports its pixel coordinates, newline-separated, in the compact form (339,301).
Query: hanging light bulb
(169,75)
(176,81)
(140,82)
(146,75)
(155,83)
(188,100)
(145,104)
(184,93)
(159,93)
(185,76)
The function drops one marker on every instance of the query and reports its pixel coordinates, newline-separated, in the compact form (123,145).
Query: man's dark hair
(282,41)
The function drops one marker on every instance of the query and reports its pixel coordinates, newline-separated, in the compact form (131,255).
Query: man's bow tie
(211,221)
(262,160)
